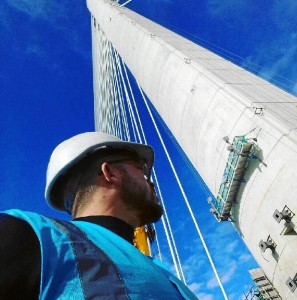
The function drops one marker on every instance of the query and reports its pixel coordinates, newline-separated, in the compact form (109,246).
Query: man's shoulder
(20,254)
(18,213)
(30,217)
(14,228)
(26,221)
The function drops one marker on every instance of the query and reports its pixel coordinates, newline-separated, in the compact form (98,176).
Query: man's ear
(110,173)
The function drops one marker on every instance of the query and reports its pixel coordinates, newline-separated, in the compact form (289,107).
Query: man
(104,183)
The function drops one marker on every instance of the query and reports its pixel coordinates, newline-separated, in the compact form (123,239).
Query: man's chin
(151,214)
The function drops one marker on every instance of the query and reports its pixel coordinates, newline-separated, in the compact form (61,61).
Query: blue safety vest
(82,260)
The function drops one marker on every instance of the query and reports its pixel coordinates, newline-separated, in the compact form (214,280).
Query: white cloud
(226,277)
(231,246)
(227,9)
(244,257)
(224,229)
(49,20)
(44,9)
(213,283)
(271,40)
(194,266)
(284,61)
(194,287)
(203,296)
(223,247)
(274,61)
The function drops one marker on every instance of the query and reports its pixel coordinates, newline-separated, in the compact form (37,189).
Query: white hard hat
(70,152)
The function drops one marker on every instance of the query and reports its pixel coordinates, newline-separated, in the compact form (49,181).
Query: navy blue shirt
(20,256)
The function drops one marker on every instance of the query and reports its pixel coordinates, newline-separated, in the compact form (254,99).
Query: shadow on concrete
(255,163)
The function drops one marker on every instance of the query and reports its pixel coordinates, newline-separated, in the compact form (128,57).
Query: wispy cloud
(54,12)
(196,266)
(226,277)
(227,8)
(283,62)
(194,287)
(40,8)
(231,246)
(204,296)
(267,43)
(49,25)
(277,54)
(245,257)
(278,63)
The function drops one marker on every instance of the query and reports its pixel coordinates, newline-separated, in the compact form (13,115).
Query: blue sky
(260,35)
(47,96)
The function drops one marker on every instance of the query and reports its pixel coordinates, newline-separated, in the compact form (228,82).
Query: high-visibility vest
(82,260)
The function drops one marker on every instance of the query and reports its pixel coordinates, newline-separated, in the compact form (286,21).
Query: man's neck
(116,225)
(108,205)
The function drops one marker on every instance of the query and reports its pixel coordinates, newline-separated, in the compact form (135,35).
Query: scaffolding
(265,289)
(241,151)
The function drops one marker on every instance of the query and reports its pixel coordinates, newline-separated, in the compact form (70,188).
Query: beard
(140,197)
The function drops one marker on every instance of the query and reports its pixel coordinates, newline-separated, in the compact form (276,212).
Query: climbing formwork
(241,152)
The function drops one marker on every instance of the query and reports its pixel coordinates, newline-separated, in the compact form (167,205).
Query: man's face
(139,194)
